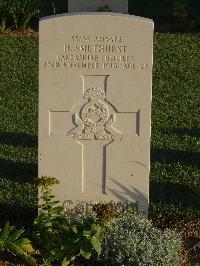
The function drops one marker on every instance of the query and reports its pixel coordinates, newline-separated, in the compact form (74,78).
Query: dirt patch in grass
(25,32)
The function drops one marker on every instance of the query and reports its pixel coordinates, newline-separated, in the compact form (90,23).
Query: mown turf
(175,161)
(175,167)
(18,127)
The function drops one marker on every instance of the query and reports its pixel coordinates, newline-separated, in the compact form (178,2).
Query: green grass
(175,168)
(175,160)
(18,127)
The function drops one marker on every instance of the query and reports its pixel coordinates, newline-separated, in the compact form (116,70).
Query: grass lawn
(175,151)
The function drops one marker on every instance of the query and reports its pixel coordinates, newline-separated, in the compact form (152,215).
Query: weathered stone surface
(119,6)
(95,106)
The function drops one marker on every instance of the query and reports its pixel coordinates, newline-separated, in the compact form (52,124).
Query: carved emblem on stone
(94,113)
(94,93)
(94,118)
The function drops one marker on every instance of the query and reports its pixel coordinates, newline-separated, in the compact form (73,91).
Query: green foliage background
(175,160)
(157,8)
(169,15)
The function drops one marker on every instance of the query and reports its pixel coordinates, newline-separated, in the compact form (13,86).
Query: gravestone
(95,83)
(120,6)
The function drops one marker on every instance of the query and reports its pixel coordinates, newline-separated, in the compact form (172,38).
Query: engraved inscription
(94,137)
(95,52)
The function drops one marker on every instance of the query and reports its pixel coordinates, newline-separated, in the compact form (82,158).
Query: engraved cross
(96,122)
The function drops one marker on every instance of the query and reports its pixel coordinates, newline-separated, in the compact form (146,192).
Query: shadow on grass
(192,132)
(18,173)
(174,194)
(10,170)
(18,139)
(17,214)
(23,213)
(173,204)
(177,156)
(177,196)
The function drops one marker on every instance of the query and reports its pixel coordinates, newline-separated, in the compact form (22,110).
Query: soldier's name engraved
(95,48)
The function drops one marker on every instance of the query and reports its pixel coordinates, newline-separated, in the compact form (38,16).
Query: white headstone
(95,106)
(119,6)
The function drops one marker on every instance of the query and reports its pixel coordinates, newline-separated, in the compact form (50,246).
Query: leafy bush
(61,238)
(52,7)
(116,232)
(102,211)
(18,14)
(132,240)
(22,12)
(11,240)
(109,234)
(129,238)
(3,14)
